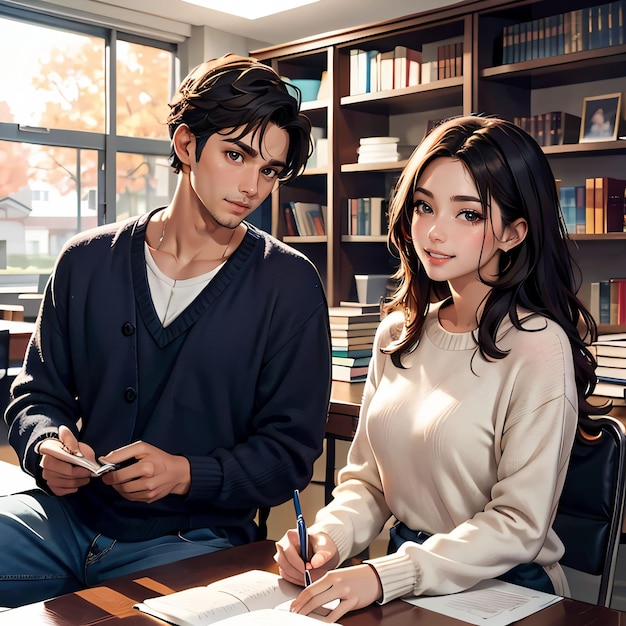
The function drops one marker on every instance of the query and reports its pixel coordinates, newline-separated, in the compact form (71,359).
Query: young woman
(477,385)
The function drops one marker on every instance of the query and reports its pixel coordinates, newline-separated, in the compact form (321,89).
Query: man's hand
(62,477)
(151,475)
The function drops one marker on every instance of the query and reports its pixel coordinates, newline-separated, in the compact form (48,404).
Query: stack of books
(610,351)
(352,330)
(382,150)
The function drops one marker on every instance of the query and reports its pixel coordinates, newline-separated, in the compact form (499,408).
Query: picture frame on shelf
(601,118)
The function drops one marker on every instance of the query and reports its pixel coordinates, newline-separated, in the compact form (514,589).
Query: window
(142,183)
(144,76)
(64,115)
(58,83)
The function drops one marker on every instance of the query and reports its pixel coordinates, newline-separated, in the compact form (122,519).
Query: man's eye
(270,172)
(233,155)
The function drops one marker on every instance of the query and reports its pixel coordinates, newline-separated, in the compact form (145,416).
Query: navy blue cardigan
(246,401)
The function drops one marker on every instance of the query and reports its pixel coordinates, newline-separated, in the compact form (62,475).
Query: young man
(186,345)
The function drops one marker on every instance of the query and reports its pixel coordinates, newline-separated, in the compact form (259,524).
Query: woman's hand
(324,556)
(150,475)
(355,587)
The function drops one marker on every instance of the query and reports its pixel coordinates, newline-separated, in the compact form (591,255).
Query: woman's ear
(516,233)
(184,142)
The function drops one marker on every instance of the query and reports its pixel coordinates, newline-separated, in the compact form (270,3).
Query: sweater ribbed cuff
(397,575)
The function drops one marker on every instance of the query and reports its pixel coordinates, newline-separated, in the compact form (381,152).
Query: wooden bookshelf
(526,87)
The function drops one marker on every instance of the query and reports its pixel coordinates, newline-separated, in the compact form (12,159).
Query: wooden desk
(112,602)
(20,334)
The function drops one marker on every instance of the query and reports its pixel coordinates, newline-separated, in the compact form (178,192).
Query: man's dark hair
(234,92)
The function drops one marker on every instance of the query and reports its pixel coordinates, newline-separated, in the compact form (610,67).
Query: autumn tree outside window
(79,144)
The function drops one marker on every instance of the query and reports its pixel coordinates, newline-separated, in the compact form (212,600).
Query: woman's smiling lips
(437,258)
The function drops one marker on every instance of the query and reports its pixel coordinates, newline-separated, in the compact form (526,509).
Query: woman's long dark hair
(539,275)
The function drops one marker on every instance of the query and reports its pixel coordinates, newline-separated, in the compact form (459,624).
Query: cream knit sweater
(473,452)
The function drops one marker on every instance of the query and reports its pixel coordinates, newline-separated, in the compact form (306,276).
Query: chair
(5,381)
(4,352)
(590,511)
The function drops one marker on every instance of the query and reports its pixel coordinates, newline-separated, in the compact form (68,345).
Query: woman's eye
(471,216)
(421,207)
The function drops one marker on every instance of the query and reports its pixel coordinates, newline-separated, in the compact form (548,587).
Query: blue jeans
(46,551)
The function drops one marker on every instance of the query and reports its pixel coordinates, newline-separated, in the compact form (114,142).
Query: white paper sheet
(489,603)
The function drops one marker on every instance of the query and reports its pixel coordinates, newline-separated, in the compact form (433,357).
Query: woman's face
(451,235)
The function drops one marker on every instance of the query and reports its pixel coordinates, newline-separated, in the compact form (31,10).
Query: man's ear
(516,233)
(184,142)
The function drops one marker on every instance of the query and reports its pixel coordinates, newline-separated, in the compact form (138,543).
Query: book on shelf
(407,65)
(613,362)
(450,60)
(367,216)
(572,201)
(606,300)
(385,62)
(611,194)
(351,315)
(610,390)
(563,33)
(308,218)
(291,228)
(552,128)
(611,374)
(347,361)
(349,374)
(361,71)
(352,343)
(350,353)
(613,345)
(324,92)
(369,331)
(348,327)
(363,307)
(239,599)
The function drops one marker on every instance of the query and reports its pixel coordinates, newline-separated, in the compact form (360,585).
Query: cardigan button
(130,395)
(128,329)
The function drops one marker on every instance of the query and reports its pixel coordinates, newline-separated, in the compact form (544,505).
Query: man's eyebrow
(250,151)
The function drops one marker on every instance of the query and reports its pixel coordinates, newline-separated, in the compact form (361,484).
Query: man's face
(233,176)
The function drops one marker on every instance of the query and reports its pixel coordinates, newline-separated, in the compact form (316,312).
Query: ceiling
(320,17)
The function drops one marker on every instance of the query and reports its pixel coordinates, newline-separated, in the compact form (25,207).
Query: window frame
(109,143)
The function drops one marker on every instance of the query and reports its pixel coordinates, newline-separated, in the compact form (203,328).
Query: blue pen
(302,535)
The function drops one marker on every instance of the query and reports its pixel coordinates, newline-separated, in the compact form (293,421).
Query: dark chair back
(4,352)
(590,511)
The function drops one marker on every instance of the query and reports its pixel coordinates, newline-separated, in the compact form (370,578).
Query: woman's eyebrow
(456,198)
